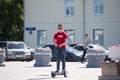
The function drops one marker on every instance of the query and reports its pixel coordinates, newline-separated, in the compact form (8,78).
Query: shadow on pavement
(40,78)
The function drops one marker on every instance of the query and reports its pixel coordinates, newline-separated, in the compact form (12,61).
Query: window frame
(73,34)
(100,35)
(42,43)
(69,8)
(98,7)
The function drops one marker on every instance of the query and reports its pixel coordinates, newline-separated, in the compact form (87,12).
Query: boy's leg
(58,59)
(63,59)
(83,56)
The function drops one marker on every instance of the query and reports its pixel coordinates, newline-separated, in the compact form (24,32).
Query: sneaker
(82,62)
(63,71)
(56,72)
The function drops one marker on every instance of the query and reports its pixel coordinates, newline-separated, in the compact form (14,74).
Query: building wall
(110,21)
(46,14)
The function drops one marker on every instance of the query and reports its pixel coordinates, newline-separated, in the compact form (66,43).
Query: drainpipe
(24,20)
(84,26)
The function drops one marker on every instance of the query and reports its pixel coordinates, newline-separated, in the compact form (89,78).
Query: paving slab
(22,70)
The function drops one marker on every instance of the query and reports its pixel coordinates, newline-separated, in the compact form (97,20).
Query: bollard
(42,57)
(110,71)
(95,58)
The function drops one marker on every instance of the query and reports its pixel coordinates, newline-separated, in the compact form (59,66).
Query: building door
(98,36)
(41,38)
(71,35)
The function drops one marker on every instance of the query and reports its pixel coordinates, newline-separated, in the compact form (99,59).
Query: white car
(91,46)
(98,47)
(95,47)
(16,50)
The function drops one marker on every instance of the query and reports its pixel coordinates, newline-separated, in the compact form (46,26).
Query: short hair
(60,25)
(86,34)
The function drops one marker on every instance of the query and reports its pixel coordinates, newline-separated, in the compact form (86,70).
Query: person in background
(86,43)
(60,40)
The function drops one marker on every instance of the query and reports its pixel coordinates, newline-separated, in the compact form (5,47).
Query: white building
(99,18)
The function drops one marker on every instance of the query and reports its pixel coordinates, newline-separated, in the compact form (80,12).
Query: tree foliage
(11,20)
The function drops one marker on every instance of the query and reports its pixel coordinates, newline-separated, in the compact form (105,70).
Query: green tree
(11,20)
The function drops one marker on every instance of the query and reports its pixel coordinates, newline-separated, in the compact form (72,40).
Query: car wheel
(69,58)
(28,58)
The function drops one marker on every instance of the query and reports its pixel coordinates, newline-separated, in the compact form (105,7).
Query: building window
(98,7)
(41,37)
(69,7)
(98,36)
(71,36)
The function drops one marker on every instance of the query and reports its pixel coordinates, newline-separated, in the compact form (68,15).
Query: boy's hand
(61,45)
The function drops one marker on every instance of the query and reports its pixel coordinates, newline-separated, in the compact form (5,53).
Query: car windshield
(16,46)
(71,49)
(79,48)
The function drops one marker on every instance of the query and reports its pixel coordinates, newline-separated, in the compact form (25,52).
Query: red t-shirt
(60,38)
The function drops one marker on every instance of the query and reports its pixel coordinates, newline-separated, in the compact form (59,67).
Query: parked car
(91,46)
(98,47)
(32,51)
(15,50)
(72,45)
(95,47)
(71,53)
(79,47)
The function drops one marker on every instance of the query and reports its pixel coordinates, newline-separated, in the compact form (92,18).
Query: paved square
(17,70)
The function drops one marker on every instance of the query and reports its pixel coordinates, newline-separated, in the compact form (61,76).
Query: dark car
(71,53)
